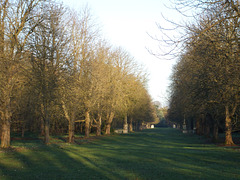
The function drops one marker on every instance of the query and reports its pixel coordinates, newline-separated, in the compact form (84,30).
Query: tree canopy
(58,74)
(205,82)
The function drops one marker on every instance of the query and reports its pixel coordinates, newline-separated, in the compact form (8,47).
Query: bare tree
(16,26)
(207,75)
(48,47)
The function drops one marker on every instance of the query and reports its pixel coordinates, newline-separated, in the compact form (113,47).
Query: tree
(71,81)
(100,77)
(114,92)
(208,50)
(15,29)
(207,72)
(84,63)
(48,43)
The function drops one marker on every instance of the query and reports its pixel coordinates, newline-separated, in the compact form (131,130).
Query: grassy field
(151,154)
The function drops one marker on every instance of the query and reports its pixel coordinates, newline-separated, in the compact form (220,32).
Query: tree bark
(23,130)
(71,123)
(81,128)
(198,126)
(46,133)
(125,125)
(215,131)
(71,127)
(207,128)
(228,130)
(109,122)
(203,124)
(87,124)
(99,125)
(108,128)
(131,125)
(46,120)
(6,125)
(42,131)
(5,138)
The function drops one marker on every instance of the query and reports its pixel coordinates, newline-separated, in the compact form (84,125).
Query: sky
(127,23)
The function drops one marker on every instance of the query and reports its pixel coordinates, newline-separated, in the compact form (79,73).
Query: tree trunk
(71,127)
(109,122)
(215,131)
(87,124)
(71,123)
(207,129)
(23,131)
(125,125)
(81,127)
(137,126)
(108,128)
(6,126)
(42,131)
(131,125)
(5,138)
(23,128)
(46,133)
(45,117)
(203,124)
(99,125)
(198,126)
(228,130)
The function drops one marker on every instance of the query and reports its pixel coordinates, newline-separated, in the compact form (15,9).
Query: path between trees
(150,154)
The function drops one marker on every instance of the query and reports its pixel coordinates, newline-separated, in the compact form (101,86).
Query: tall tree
(207,72)
(47,53)
(15,28)
(88,35)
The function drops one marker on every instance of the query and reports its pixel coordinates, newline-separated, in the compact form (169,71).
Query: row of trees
(205,86)
(56,70)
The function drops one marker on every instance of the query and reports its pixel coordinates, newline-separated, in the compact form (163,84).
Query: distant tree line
(205,87)
(58,75)
(161,114)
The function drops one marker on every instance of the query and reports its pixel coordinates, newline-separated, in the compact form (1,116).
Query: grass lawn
(150,154)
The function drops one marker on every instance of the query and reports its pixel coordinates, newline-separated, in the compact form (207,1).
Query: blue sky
(126,23)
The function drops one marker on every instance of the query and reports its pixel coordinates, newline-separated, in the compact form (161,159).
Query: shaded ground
(151,154)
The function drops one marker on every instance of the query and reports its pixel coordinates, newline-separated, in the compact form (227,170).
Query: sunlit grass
(151,154)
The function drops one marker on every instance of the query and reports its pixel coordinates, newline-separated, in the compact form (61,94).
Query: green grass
(150,154)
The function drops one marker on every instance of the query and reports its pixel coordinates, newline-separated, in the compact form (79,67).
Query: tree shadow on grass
(49,162)
(176,157)
(154,154)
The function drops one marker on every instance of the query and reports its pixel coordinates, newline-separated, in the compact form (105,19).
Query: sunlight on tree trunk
(87,123)
(109,122)
(228,130)
(131,125)
(99,125)
(5,138)
(125,124)
(71,131)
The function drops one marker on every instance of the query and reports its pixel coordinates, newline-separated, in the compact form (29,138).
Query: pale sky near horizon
(126,23)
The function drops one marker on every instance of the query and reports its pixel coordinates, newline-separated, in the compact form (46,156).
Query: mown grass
(151,154)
